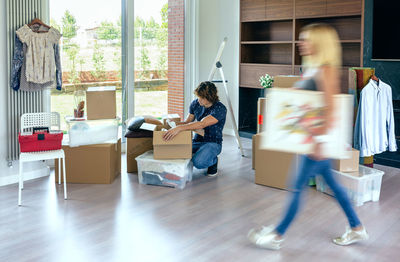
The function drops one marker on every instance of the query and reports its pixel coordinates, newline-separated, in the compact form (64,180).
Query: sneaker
(265,237)
(351,236)
(213,170)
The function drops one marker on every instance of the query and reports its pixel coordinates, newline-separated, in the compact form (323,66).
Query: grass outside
(154,103)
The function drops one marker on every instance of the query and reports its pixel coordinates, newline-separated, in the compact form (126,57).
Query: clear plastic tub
(366,187)
(90,132)
(170,173)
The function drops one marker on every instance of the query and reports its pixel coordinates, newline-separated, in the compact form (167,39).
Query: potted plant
(266,81)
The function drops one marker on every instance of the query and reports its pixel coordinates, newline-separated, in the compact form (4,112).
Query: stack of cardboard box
(169,164)
(272,168)
(100,163)
(174,149)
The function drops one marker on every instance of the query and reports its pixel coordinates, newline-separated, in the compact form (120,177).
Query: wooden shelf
(351,41)
(269,33)
(341,41)
(267,54)
(263,64)
(348,27)
(264,42)
(327,16)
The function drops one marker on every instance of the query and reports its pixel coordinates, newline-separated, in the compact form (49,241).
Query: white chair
(28,122)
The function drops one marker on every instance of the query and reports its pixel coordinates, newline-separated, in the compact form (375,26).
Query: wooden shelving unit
(269,33)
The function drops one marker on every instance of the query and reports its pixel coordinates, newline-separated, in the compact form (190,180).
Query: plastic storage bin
(170,173)
(90,132)
(359,189)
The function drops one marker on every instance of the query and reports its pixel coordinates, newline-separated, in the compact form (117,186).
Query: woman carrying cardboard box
(320,48)
(208,113)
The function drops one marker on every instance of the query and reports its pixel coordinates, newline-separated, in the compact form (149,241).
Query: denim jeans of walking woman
(309,168)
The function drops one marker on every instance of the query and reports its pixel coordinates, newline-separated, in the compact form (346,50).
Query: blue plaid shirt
(212,133)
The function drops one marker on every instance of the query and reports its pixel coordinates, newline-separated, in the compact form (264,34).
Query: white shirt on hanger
(374,129)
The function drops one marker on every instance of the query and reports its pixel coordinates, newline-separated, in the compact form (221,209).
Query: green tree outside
(69,26)
(69,30)
(98,62)
(108,31)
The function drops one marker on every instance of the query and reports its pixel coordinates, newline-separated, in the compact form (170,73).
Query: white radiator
(20,12)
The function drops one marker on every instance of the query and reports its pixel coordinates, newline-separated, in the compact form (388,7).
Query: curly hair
(208,91)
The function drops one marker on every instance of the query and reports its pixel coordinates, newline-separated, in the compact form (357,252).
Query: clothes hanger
(373,77)
(37,21)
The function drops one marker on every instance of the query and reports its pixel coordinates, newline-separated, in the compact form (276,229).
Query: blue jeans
(205,154)
(308,168)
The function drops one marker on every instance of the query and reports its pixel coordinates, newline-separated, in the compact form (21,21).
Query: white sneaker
(351,236)
(265,237)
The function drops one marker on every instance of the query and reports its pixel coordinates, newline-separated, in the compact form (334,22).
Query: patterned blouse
(18,75)
(39,57)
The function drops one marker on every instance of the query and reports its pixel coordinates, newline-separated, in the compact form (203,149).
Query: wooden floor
(207,221)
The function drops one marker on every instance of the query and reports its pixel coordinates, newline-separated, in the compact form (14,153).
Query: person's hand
(317,152)
(170,134)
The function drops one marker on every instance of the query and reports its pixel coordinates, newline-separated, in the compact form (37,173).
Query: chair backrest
(31,120)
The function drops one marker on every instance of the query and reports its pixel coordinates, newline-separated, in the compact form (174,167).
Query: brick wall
(176,48)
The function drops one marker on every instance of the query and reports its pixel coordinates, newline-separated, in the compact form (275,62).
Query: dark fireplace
(392,158)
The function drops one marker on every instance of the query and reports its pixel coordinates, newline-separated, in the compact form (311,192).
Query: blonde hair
(325,42)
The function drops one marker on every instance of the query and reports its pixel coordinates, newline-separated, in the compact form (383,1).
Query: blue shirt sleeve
(17,64)
(58,66)
(219,112)
(192,107)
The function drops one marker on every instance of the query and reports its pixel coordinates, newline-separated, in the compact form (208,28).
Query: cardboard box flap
(183,138)
(285,81)
(101,88)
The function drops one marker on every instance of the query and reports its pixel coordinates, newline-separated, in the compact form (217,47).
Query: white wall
(3,84)
(31,170)
(218,19)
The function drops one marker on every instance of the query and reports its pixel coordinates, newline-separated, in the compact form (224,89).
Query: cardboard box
(253,152)
(285,81)
(135,147)
(348,165)
(92,164)
(261,107)
(101,103)
(273,168)
(178,148)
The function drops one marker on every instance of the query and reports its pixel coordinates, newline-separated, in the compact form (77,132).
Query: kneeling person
(208,113)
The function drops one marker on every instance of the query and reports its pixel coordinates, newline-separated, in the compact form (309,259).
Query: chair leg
(22,177)
(20,182)
(59,171)
(65,179)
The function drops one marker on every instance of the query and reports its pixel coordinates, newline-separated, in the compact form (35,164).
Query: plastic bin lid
(365,171)
(148,156)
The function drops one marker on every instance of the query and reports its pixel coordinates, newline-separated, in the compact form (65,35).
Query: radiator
(20,12)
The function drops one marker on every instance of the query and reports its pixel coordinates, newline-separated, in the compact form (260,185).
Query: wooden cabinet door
(306,8)
(252,10)
(341,7)
(279,9)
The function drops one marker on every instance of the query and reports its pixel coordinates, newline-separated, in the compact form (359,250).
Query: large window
(151,57)
(91,52)
(90,49)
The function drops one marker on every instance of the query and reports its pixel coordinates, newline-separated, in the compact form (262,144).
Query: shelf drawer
(251,73)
